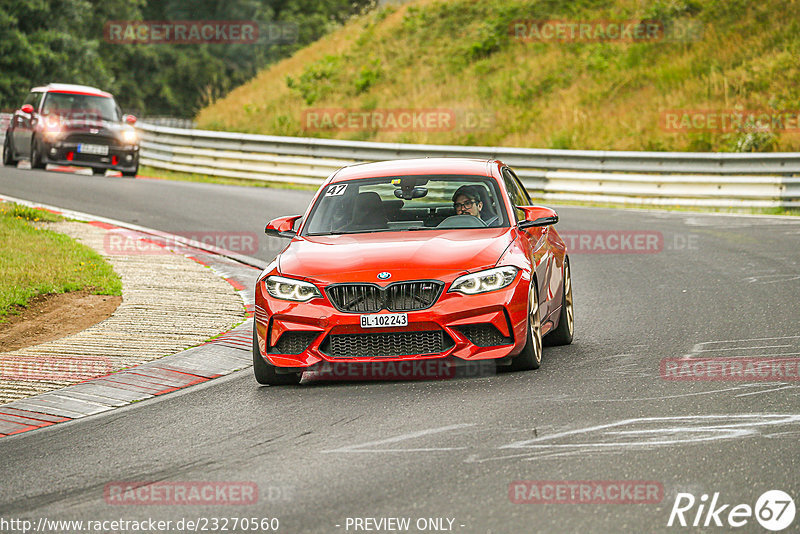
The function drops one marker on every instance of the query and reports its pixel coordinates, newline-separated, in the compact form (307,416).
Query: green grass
(18,211)
(458,55)
(162,174)
(35,261)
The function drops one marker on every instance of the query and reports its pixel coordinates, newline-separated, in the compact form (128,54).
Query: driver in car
(467,201)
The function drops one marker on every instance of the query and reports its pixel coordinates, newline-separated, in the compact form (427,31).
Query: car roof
(465,166)
(72,88)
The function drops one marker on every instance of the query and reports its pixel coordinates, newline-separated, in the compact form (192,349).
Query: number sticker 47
(336,190)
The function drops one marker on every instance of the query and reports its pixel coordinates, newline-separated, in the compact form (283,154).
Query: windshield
(407,203)
(75,106)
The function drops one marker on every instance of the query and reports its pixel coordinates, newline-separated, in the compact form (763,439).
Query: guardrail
(171,122)
(658,178)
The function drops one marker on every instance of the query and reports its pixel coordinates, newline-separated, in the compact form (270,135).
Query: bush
(368,76)
(317,80)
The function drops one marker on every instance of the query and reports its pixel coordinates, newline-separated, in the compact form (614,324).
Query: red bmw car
(413,260)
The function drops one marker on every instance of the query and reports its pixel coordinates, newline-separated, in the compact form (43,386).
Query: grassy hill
(460,56)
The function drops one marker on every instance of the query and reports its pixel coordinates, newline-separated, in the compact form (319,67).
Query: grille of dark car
(293,342)
(91,139)
(386,344)
(89,158)
(397,297)
(484,335)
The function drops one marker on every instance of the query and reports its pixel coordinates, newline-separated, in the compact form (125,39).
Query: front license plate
(384,320)
(101,150)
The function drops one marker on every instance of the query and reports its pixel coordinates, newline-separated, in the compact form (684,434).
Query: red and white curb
(229,352)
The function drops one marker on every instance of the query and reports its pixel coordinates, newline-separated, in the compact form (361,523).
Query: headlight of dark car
(129,137)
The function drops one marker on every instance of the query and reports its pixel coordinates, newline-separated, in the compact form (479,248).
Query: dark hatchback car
(72,125)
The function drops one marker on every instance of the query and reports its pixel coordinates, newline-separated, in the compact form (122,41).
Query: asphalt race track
(598,410)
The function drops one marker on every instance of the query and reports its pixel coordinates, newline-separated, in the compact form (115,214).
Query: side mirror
(282,226)
(130,119)
(27,108)
(537,216)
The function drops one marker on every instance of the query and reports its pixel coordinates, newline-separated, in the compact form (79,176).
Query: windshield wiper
(352,232)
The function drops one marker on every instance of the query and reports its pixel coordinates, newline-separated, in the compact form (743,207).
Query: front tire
(8,152)
(531,356)
(265,372)
(566,319)
(36,156)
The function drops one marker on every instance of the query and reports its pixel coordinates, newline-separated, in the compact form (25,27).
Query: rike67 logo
(774,510)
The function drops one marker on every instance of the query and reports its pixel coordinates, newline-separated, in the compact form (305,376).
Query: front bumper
(120,158)
(467,327)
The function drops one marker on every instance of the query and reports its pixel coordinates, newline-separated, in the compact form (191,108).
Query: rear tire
(36,156)
(99,171)
(566,319)
(265,372)
(531,356)
(8,152)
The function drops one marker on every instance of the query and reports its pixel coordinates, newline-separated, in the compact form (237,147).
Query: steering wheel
(492,220)
(462,221)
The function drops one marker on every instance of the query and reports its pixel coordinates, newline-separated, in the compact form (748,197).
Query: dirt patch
(50,317)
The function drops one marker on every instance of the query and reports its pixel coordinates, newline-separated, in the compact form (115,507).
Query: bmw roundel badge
(384,275)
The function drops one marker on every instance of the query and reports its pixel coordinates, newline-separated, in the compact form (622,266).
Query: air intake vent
(484,335)
(293,342)
(386,344)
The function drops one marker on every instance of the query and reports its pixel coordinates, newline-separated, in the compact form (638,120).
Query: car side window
(524,192)
(34,99)
(37,100)
(515,194)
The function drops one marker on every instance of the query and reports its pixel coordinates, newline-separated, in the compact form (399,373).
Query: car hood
(440,255)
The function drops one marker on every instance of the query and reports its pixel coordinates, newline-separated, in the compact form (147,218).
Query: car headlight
(289,289)
(51,136)
(129,137)
(485,281)
(52,131)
